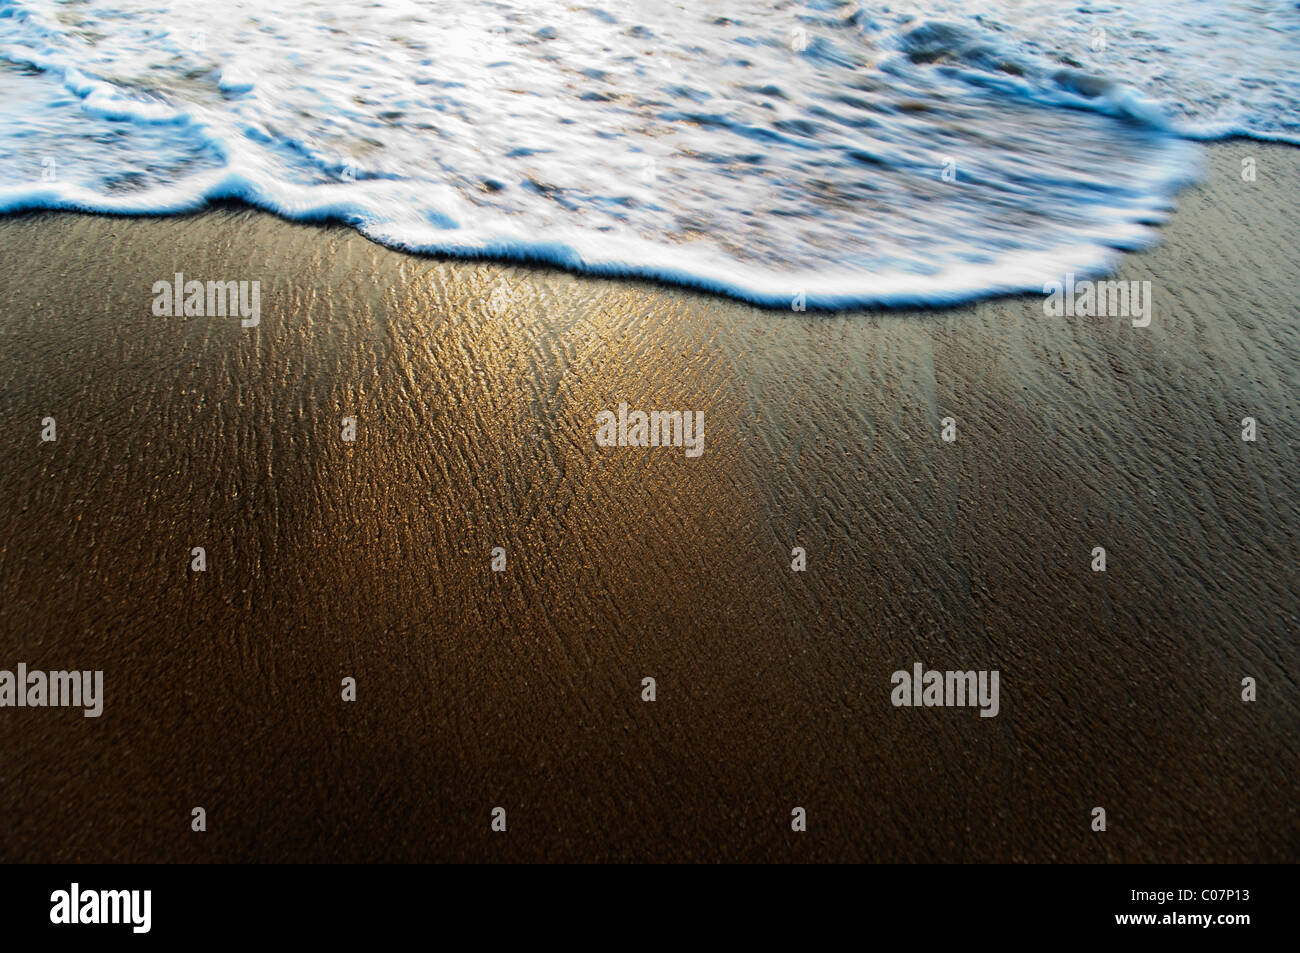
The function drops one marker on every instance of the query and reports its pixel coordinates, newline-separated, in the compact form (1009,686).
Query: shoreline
(1190,180)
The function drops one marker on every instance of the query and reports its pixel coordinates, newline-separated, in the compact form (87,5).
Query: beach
(474,388)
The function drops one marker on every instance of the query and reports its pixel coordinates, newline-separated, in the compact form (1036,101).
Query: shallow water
(834,153)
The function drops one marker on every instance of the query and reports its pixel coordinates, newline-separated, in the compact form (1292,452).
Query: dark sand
(476,387)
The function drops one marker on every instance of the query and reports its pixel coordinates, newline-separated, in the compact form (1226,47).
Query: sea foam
(839,154)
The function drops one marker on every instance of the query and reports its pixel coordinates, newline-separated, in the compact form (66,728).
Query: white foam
(707,148)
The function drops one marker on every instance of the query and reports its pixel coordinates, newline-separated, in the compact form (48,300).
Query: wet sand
(475,387)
